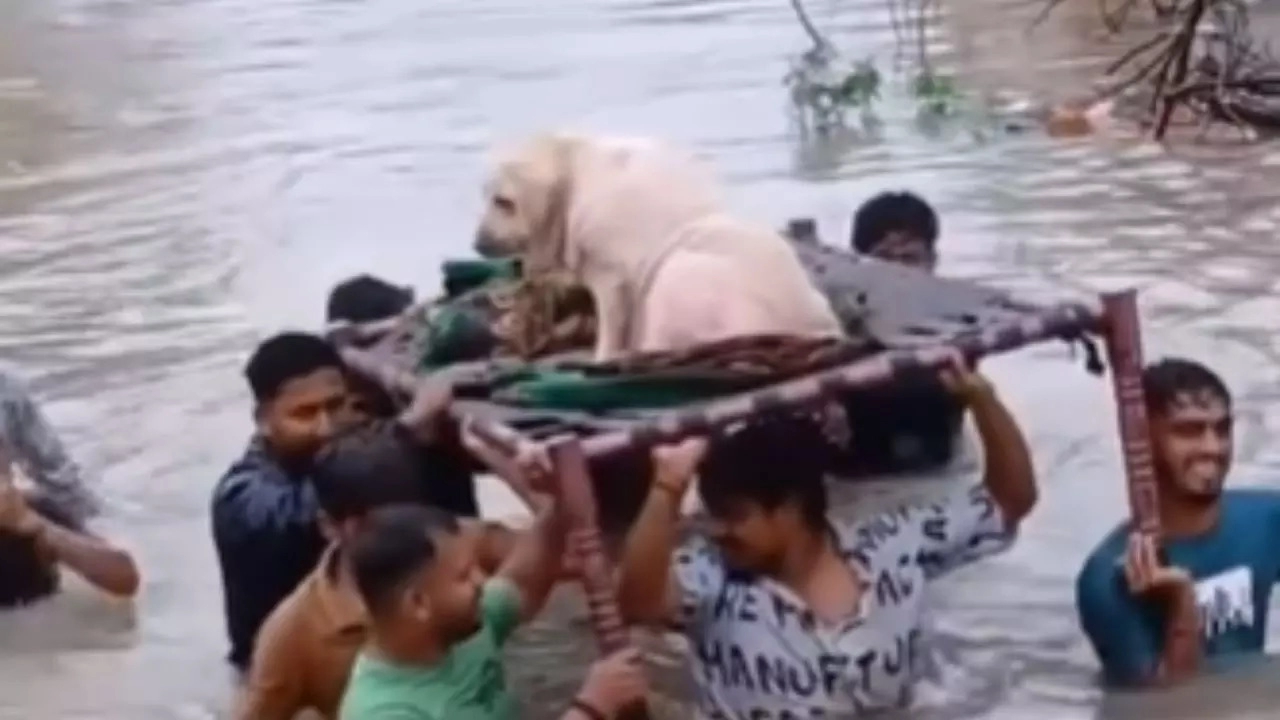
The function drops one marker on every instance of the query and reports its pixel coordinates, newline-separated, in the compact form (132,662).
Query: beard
(1204,484)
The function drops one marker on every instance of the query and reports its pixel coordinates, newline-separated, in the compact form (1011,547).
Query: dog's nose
(484,244)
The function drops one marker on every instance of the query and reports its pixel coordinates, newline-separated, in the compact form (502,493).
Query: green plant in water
(937,94)
(861,86)
(823,87)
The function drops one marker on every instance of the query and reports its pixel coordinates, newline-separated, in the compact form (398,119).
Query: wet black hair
(893,212)
(396,543)
(1165,380)
(366,467)
(284,357)
(365,298)
(770,462)
(26,575)
(362,299)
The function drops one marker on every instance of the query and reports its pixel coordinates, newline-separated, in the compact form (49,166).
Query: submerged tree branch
(1203,61)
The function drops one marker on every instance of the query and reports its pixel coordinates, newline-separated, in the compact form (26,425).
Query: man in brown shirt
(306,648)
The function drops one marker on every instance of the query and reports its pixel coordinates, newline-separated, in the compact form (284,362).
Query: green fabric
(461,330)
(469,684)
(457,333)
(572,390)
(462,276)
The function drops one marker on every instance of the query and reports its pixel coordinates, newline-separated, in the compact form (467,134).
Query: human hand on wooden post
(1146,573)
(428,407)
(675,464)
(526,470)
(577,497)
(961,379)
(614,683)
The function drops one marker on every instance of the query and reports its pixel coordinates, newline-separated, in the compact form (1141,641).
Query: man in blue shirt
(264,510)
(1157,610)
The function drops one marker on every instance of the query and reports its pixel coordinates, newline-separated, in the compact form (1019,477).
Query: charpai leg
(1124,352)
(575,492)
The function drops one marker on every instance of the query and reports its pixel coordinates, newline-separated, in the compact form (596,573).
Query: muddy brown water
(178,178)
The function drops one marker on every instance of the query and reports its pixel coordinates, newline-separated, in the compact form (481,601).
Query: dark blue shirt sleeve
(247,509)
(265,533)
(1116,623)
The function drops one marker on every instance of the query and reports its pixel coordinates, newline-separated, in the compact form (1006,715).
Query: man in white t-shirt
(791,615)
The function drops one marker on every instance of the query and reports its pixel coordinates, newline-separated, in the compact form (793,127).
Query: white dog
(642,226)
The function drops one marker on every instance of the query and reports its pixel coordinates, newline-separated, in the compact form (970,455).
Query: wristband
(587,709)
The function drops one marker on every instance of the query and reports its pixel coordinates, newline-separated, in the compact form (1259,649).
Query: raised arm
(533,562)
(647,592)
(1008,474)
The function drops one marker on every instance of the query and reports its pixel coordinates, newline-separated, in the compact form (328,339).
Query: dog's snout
(485,244)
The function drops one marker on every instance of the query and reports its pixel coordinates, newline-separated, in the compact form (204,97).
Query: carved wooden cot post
(1124,352)
(577,497)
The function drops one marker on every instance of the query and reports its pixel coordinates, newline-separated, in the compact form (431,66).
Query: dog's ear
(548,250)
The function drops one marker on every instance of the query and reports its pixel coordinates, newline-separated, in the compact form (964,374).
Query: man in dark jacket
(264,509)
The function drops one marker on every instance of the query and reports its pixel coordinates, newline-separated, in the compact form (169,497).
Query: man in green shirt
(438,626)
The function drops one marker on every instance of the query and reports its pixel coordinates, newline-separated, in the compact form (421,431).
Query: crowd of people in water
(360,582)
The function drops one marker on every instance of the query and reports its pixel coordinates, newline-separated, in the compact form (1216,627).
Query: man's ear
(416,604)
(328,528)
(260,419)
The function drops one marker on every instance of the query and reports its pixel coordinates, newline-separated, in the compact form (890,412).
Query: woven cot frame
(1114,320)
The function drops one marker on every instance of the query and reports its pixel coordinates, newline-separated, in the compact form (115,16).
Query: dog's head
(527,203)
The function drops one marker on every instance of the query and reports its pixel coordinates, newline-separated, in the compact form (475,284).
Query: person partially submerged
(898,227)
(32,442)
(794,614)
(264,508)
(37,538)
(43,527)
(1158,610)
(438,625)
(304,653)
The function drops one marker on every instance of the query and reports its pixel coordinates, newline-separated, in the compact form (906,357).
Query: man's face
(751,538)
(1193,444)
(306,413)
(444,601)
(906,249)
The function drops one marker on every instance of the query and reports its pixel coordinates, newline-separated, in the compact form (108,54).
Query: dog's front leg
(612,318)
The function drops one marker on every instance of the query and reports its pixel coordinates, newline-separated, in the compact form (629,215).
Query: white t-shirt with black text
(758,652)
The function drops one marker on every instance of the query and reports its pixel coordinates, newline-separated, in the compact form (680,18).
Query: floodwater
(180,177)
